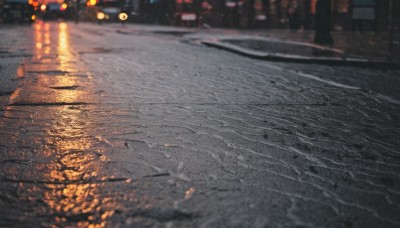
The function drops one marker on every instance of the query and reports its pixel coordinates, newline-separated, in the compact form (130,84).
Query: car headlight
(123,16)
(100,16)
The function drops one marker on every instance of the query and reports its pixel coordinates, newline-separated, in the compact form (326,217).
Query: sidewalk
(350,48)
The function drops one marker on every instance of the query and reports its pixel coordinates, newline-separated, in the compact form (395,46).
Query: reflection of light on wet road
(69,154)
(63,48)
(64,57)
(75,166)
(64,141)
(69,142)
(189,193)
(38,39)
(47,40)
(38,36)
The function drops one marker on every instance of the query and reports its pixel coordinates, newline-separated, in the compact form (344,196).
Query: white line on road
(313,77)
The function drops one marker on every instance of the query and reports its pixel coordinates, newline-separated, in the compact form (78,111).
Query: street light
(123,16)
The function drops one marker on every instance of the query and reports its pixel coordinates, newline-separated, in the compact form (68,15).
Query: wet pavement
(286,48)
(135,126)
(292,46)
(367,45)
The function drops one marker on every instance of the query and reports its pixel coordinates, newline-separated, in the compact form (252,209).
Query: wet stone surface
(158,133)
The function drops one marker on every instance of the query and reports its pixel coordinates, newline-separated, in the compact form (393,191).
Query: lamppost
(323,23)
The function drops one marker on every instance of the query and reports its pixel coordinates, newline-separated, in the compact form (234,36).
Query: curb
(276,57)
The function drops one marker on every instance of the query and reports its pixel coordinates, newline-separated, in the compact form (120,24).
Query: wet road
(142,127)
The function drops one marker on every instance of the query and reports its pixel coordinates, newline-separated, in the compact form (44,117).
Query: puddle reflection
(63,48)
(56,54)
(62,180)
(73,171)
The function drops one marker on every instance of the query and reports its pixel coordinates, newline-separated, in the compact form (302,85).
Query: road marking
(313,77)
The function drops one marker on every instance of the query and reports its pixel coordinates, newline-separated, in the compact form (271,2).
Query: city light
(63,6)
(92,3)
(43,7)
(123,16)
(100,15)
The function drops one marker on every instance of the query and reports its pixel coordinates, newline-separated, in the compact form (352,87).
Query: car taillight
(63,6)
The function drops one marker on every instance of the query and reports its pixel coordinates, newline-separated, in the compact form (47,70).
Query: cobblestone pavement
(140,127)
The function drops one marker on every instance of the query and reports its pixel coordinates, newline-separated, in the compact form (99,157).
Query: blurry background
(293,14)
(381,19)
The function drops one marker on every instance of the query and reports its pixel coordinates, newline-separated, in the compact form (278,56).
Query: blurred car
(186,13)
(108,11)
(53,11)
(18,11)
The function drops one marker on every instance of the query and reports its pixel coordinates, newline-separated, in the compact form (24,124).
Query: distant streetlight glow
(123,16)
(92,2)
(43,7)
(100,15)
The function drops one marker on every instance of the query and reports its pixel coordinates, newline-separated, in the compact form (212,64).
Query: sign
(189,17)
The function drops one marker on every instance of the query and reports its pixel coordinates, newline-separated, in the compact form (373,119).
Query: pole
(391,27)
(323,23)
(77,11)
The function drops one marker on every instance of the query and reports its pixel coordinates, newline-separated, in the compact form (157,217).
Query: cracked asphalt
(140,126)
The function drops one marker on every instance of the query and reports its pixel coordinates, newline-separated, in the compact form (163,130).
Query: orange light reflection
(71,192)
(70,144)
